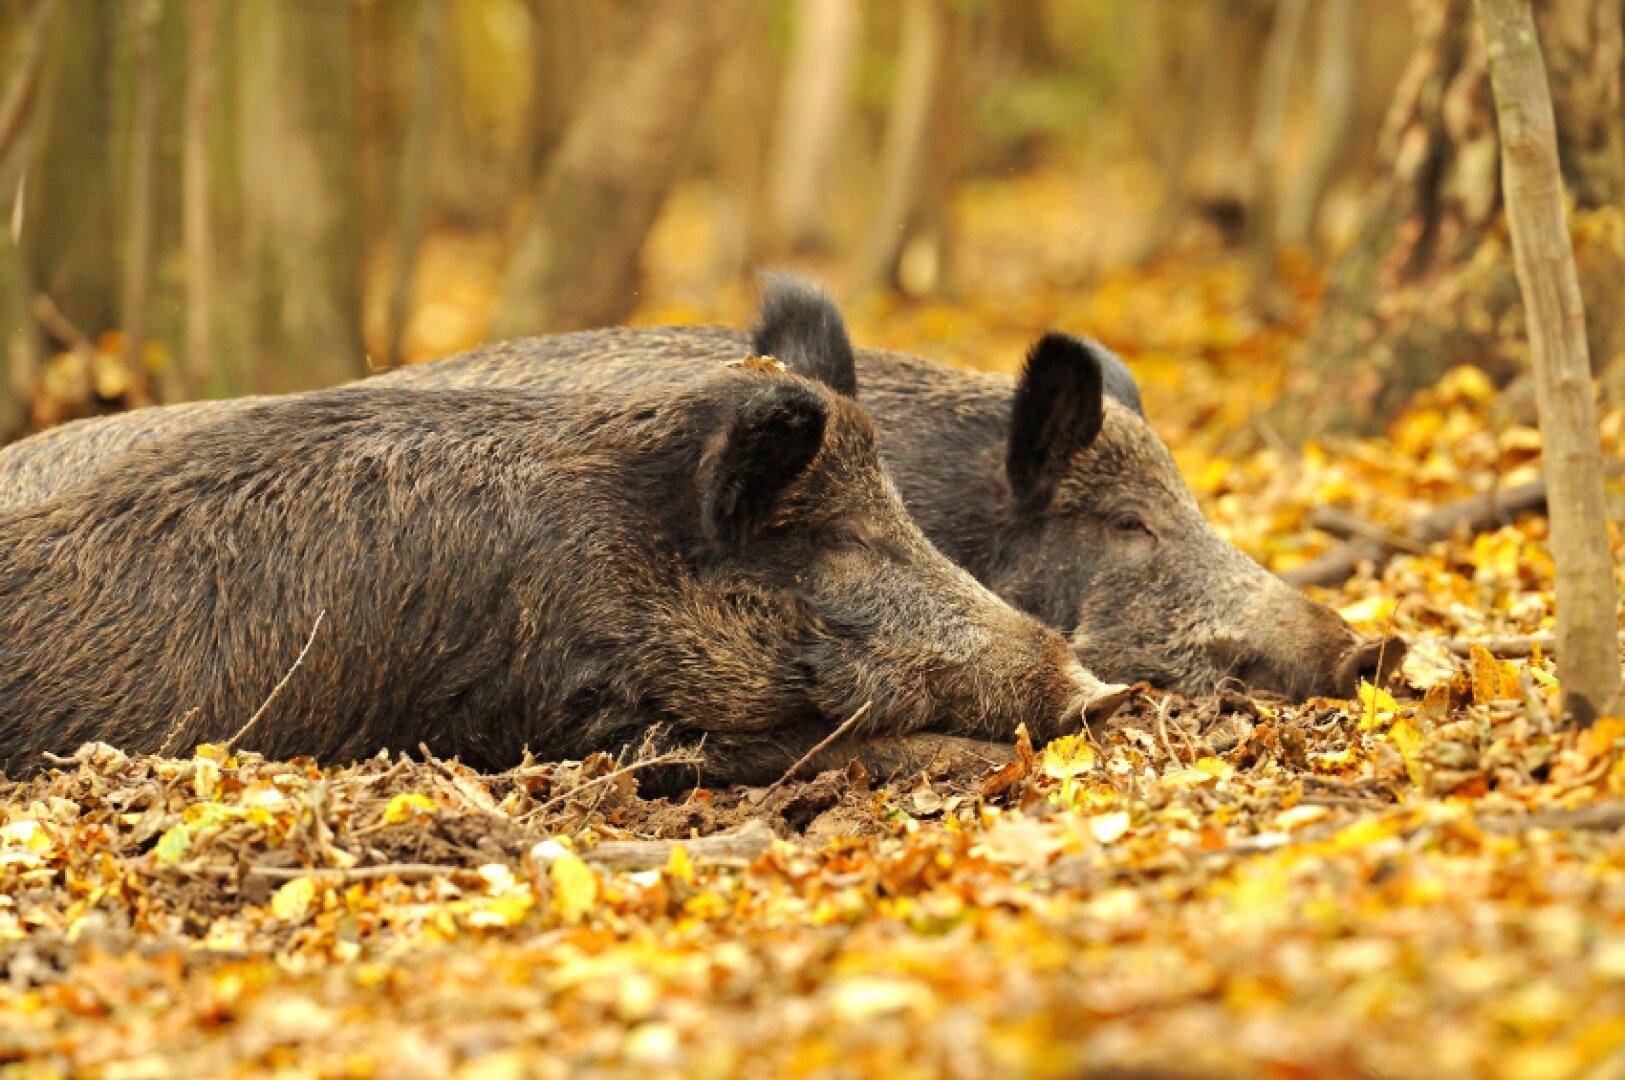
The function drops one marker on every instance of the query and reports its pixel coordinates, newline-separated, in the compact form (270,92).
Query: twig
(1505,648)
(277,689)
(675,757)
(1162,732)
(50,316)
(359,873)
(823,744)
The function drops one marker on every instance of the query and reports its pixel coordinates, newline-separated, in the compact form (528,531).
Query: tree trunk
(907,135)
(197,227)
(1333,94)
(412,178)
(1587,648)
(813,108)
(296,143)
(68,231)
(576,262)
(136,302)
(1429,284)
(1273,95)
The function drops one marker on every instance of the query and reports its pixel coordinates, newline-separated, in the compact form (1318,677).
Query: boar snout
(1373,660)
(1309,651)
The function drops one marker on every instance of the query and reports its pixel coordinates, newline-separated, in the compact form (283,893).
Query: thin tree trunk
(300,209)
(69,233)
(197,233)
(18,333)
(813,108)
(576,262)
(1587,649)
(1333,94)
(413,177)
(907,130)
(1279,53)
(136,303)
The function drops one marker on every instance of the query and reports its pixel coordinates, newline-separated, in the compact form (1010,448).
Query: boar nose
(1374,660)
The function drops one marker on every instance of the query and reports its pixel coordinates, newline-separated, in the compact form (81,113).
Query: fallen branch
(1599,817)
(1505,648)
(741,846)
(404,871)
(1477,514)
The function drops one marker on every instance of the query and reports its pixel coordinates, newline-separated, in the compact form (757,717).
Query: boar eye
(849,540)
(1130,525)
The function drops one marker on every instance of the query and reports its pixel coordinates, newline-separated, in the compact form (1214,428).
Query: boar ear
(1056,413)
(799,324)
(764,446)
(1118,380)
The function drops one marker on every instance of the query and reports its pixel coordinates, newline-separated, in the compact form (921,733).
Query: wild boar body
(489,570)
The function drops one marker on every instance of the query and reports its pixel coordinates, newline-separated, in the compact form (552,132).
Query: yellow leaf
(1067,756)
(407,805)
(1376,705)
(1299,816)
(173,845)
(1186,778)
(1372,611)
(1493,680)
(1408,741)
(575,887)
(1108,828)
(680,867)
(290,902)
(25,834)
(1215,767)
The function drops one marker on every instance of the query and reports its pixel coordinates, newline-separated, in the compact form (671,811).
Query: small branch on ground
(1505,648)
(828,741)
(1474,515)
(740,846)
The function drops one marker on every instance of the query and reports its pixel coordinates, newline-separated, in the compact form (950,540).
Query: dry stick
(1543,253)
(824,744)
(675,757)
(143,149)
(277,689)
(1476,514)
(743,845)
(1504,648)
(413,180)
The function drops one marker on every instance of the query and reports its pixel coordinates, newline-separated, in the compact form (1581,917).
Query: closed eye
(1130,525)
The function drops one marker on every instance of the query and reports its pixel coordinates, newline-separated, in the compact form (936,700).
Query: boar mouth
(1373,660)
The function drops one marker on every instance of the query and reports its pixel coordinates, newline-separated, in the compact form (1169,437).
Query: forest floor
(1428,884)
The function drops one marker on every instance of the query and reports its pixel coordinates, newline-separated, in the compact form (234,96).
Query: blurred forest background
(1296,201)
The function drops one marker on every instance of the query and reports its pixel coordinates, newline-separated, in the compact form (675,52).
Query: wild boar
(1050,487)
(720,557)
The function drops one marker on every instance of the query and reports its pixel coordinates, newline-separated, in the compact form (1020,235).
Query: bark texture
(1429,282)
(1587,650)
(576,263)
(299,196)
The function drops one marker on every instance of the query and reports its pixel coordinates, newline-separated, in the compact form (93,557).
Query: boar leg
(756,760)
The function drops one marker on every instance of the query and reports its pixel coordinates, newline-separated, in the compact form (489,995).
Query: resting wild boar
(1051,488)
(722,558)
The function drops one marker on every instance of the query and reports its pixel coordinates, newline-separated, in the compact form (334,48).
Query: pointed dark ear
(761,448)
(1056,413)
(800,324)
